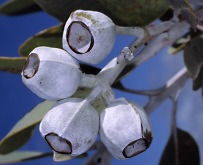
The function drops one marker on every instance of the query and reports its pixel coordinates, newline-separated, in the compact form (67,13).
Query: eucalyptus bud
(70,127)
(125,129)
(51,73)
(89,36)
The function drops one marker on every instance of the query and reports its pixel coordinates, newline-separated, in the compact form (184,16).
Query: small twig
(102,155)
(151,49)
(200,13)
(174,99)
(196,2)
(140,41)
(200,27)
(134,31)
(140,92)
(159,28)
(156,96)
(167,91)
(97,145)
(161,41)
(143,35)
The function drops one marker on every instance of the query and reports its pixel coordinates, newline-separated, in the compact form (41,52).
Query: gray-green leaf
(20,156)
(136,12)
(51,37)
(131,12)
(193,58)
(12,64)
(22,131)
(16,7)
(188,152)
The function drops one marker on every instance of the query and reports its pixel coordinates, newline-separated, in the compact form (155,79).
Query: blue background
(16,100)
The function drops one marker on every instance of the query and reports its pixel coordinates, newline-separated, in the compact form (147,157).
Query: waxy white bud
(125,129)
(70,127)
(89,36)
(51,73)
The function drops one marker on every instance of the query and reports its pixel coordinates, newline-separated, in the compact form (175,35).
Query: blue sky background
(16,100)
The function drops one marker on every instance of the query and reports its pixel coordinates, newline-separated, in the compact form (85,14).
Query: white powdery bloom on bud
(51,73)
(70,127)
(125,129)
(89,36)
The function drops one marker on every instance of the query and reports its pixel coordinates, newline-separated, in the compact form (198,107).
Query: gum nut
(51,73)
(70,127)
(89,36)
(125,129)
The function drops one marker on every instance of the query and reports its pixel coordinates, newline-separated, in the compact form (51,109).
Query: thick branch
(160,42)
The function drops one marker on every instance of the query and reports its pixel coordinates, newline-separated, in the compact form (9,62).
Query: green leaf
(131,12)
(12,64)
(16,7)
(22,131)
(193,58)
(16,64)
(63,8)
(188,152)
(20,156)
(51,37)
(136,12)
(15,140)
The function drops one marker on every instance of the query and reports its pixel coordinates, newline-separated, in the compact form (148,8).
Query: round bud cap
(51,73)
(125,129)
(89,36)
(70,127)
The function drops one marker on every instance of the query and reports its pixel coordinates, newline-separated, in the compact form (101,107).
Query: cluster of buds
(72,124)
